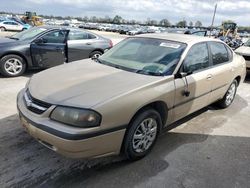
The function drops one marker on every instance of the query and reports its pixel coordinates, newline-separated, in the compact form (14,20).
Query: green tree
(117,19)
(182,23)
(198,24)
(165,22)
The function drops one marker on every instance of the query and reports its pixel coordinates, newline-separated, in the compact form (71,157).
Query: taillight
(110,43)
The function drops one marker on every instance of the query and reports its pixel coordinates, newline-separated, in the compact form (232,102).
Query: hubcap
(13,66)
(144,135)
(96,56)
(230,94)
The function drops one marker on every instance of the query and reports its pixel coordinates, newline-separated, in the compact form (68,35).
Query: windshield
(247,43)
(28,34)
(145,56)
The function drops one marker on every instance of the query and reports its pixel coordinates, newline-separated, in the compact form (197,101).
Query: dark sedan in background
(47,46)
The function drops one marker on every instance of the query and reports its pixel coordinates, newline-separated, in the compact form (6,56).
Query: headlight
(76,116)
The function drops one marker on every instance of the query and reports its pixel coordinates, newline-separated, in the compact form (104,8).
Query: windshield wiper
(149,73)
(109,64)
(15,38)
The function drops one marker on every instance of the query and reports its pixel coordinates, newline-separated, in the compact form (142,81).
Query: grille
(35,105)
(247,58)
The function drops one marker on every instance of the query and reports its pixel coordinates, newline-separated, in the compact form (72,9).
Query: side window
(219,53)
(77,35)
(91,36)
(197,58)
(55,37)
(13,23)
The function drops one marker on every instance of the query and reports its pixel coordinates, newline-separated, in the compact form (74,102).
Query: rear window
(219,53)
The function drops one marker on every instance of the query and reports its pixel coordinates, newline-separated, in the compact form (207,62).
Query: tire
(134,148)
(12,65)
(95,54)
(228,98)
(2,28)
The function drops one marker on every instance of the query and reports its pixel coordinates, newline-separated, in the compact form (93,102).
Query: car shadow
(27,163)
(27,74)
(247,79)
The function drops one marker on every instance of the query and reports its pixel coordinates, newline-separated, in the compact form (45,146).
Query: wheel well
(18,54)
(238,79)
(159,106)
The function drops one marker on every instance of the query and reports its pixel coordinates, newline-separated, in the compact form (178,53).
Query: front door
(49,50)
(193,91)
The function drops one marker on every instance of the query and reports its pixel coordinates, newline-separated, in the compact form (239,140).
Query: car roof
(183,38)
(50,27)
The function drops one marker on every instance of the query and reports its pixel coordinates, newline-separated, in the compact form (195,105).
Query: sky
(173,10)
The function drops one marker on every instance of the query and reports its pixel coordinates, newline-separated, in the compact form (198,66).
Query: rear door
(50,50)
(80,45)
(222,69)
(16,26)
(193,91)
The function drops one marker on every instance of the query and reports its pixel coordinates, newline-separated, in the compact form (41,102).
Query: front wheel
(228,98)
(12,65)
(142,134)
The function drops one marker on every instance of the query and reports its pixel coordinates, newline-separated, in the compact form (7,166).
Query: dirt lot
(210,148)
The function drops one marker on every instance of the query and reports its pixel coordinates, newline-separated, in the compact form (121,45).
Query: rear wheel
(95,54)
(142,134)
(2,28)
(228,98)
(12,65)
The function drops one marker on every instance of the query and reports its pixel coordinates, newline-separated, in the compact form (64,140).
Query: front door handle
(88,43)
(209,77)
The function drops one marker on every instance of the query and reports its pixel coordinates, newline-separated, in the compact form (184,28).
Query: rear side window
(219,53)
(197,58)
(78,35)
(91,36)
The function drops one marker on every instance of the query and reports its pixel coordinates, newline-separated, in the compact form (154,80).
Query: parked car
(9,25)
(123,101)
(245,52)
(25,25)
(48,46)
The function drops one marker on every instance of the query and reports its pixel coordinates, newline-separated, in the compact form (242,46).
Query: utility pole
(215,8)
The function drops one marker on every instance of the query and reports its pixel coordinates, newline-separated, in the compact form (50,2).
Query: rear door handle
(209,77)
(88,43)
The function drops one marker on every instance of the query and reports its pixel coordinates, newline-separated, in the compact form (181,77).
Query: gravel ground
(207,149)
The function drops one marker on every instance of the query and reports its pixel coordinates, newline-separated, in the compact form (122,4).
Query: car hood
(85,83)
(243,50)
(4,41)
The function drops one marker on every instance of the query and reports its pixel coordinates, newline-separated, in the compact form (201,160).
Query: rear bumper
(75,145)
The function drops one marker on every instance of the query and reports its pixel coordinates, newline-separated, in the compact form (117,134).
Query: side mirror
(183,74)
(40,41)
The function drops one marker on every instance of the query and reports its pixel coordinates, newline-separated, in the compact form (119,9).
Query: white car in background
(10,25)
(245,52)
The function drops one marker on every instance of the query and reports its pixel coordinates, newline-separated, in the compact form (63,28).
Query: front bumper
(70,141)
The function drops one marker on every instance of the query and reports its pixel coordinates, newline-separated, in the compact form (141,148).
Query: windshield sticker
(170,45)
